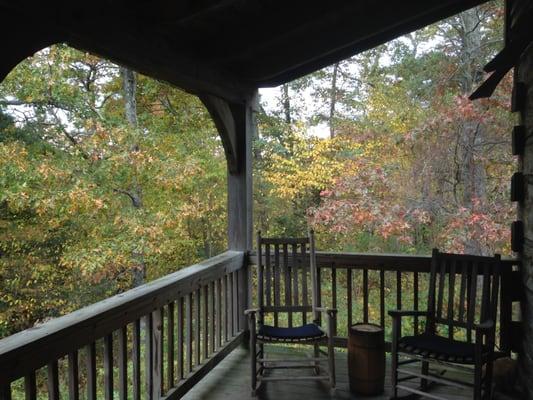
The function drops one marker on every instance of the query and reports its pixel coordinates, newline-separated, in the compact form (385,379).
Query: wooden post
(240,179)
(523,105)
(236,125)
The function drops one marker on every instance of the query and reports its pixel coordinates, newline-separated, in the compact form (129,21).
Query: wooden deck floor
(231,380)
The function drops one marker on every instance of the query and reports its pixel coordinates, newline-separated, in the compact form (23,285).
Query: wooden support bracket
(224,120)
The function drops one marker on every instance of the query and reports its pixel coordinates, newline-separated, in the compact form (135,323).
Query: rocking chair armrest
(407,313)
(484,338)
(252,311)
(326,310)
(484,326)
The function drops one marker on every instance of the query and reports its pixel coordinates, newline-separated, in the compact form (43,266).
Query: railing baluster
(218,306)
(365,296)
(188,324)
(148,355)
(382,297)
(53,380)
(123,363)
(398,289)
(73,376)
(234,303)
(91,371)
(198,326)
(108,366)
(136,359)
(179,327)
(30,386)
(349,295)
(205,336)
(170,345)
(224,309)
(334,292)
(319,291)
(212,332)
(415,301)
(161,356)
(157,353)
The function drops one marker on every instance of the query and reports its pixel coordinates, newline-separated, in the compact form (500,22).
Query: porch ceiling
(222,47)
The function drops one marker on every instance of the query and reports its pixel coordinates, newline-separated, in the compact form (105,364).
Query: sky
(270,101)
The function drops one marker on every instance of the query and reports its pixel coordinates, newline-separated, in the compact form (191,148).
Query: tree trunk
(129,85)
(333,100)
(286,103)
(129,90)
(470,132)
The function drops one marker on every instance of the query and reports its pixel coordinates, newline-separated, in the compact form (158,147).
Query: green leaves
(71,172)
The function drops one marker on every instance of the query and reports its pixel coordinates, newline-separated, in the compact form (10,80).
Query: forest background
(110,179)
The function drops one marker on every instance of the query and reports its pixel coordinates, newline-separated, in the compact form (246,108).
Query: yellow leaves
(141,158)
(314,166)
(14,155)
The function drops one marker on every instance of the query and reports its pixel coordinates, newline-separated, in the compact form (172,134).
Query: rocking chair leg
(487,383)
(394,372)
(331,362)
(262,355)
(253,356)
(396,330)
(425,371)
(477,381)
(316,355)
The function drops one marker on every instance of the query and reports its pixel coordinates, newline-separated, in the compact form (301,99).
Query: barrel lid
(366,328)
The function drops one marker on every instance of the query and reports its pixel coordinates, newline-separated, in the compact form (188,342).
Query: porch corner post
(240,198)
(240,216)
(523,103)
(236,124)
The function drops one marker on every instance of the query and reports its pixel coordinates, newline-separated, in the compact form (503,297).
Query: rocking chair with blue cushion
(460,327)
(286,269)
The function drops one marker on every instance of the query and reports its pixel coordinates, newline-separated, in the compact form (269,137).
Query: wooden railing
(363,287)
(158,339)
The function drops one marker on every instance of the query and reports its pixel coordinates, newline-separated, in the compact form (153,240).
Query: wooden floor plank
(231,379)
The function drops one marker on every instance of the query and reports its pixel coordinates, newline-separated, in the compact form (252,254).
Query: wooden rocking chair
(460,330)
(283,290)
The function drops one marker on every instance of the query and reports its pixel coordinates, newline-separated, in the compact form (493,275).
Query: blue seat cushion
(438,347)
(298,333)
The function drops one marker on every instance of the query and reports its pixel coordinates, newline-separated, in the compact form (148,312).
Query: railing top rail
(372,261)
(30,349)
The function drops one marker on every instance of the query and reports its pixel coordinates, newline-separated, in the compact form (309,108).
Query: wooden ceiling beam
(26,37)
(156,59)
(198,12)
(336,36)
(119,41)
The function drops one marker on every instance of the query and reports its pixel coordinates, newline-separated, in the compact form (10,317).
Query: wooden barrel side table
(366,359)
